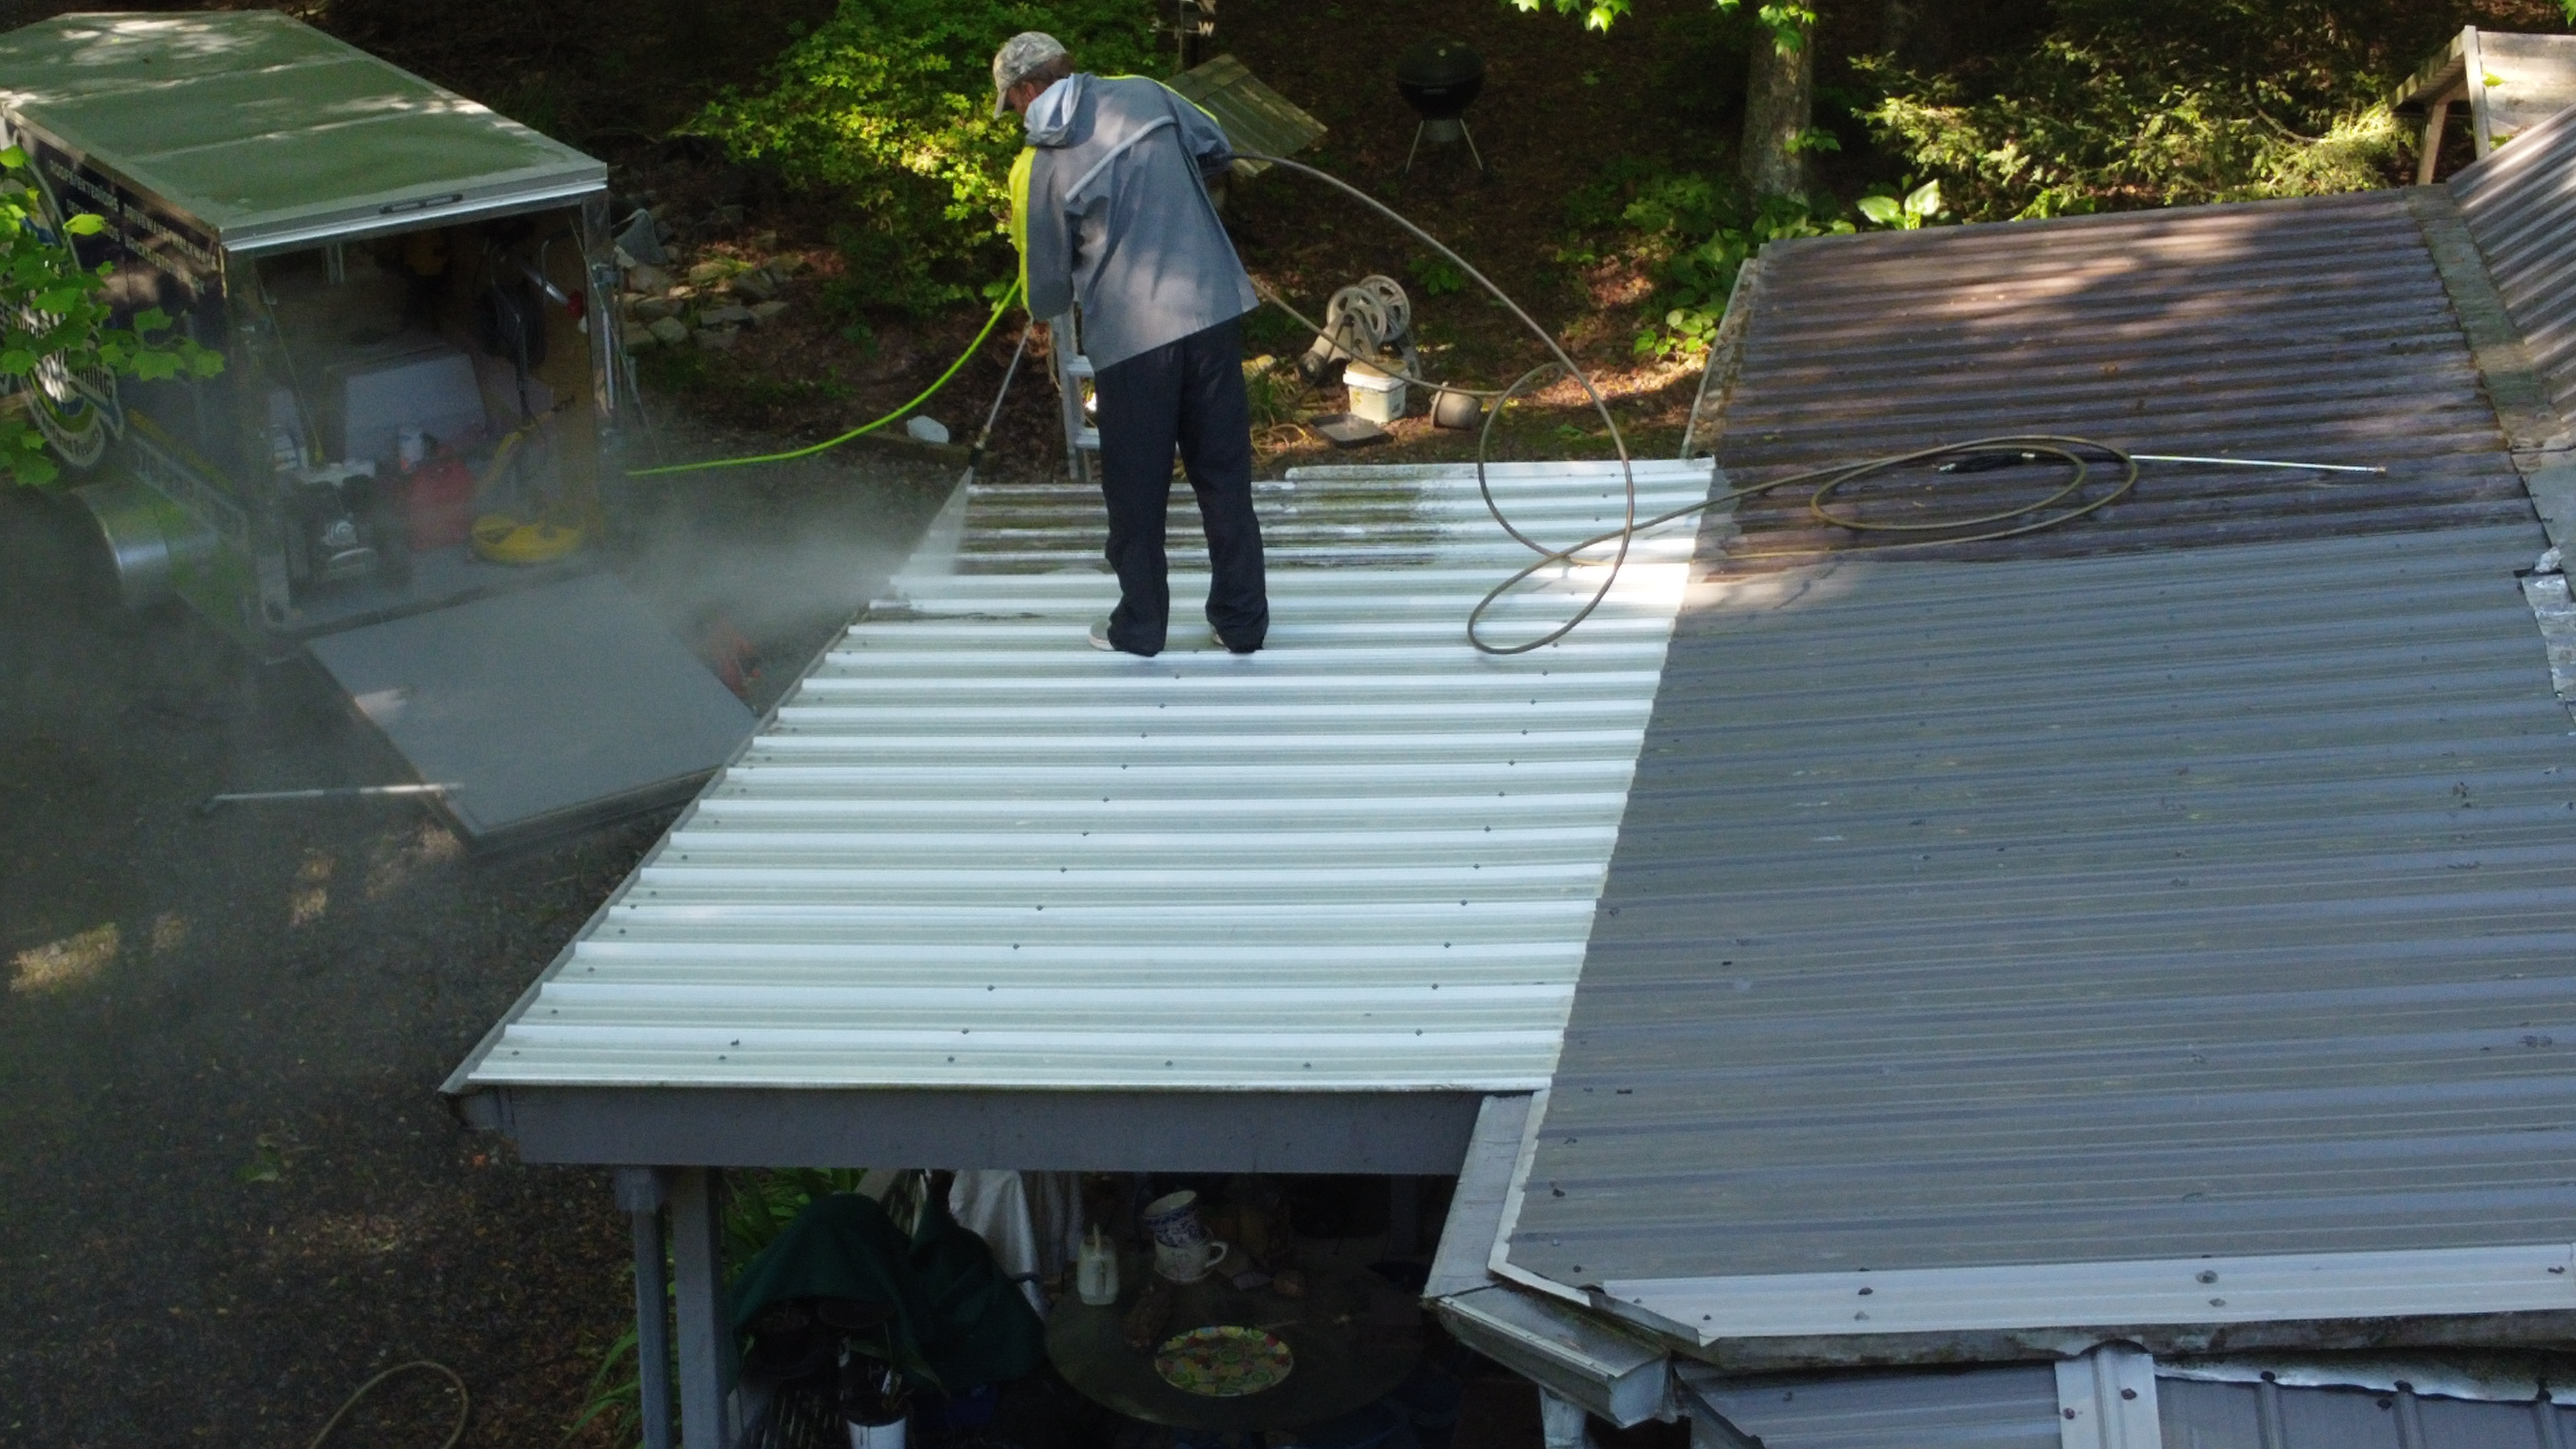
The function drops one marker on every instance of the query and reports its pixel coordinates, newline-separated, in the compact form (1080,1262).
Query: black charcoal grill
(1439,79)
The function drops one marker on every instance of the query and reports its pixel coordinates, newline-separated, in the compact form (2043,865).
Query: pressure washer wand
(975,451)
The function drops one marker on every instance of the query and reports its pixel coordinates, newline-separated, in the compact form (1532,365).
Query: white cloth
(1028,1219)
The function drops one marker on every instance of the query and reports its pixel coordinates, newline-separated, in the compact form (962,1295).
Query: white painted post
(697,1264)
(640,1196)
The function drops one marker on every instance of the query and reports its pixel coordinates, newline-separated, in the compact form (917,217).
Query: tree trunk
(1897,21)
(1779,107)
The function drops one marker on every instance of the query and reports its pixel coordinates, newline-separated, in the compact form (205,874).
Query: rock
(765,242)
(727,316)
(765,313)
(708,273)
(654,309)
(786,266)
(642,239)
(642,340)
(669,331)
(756,284)
(925,428)
(721,339)
(646,277)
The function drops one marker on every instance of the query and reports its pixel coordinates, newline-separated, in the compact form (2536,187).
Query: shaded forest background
(857,136)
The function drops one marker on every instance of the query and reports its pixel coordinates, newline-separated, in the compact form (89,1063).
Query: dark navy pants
(1186,394)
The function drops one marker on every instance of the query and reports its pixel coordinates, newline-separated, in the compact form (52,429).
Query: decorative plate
(1223,1362)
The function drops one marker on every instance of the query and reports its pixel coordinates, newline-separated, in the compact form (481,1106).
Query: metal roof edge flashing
(2167,1303)
(376,218)
(1725,362)
(1499,1261)
(2329,201)
(1612,1373)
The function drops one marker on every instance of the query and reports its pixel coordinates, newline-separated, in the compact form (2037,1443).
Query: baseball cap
(1018,56)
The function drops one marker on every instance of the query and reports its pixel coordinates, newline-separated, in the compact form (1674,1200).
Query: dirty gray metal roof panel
(2520,204)
(2019,1407)
(269,131)
(969,851)
(2264,1416)
(1974,926)
(2001,1407)
(2314,329)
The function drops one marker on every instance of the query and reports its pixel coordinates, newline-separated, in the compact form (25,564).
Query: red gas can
(441,507)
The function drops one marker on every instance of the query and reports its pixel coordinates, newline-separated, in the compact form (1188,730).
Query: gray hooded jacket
(1109,208)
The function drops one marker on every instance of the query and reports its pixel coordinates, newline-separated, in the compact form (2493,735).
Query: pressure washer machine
(410,455)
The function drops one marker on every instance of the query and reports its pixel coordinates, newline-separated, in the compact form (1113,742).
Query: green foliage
(758,1206)
(614,1394)
(1694,278)
(1436,276)
(1788,21)
(1271,390)
(888,108)
(1916,210)
(2117,105)
(54,324)
(1597,14)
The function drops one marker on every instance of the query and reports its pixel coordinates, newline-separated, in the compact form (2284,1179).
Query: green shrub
(1694,278)
(888,108)
(2119,105)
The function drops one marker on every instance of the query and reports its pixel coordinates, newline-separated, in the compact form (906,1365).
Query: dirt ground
(228,1192)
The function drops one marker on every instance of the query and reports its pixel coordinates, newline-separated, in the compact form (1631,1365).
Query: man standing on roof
(1110,208)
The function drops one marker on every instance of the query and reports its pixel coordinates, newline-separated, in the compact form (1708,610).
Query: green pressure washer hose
(1007,298)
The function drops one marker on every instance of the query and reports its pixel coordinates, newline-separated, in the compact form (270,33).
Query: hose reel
(1362,321)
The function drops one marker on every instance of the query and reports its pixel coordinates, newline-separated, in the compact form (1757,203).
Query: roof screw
(2128,1393)
(2207,1276)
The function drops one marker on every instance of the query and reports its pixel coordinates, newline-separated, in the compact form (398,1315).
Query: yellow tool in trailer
(500,538)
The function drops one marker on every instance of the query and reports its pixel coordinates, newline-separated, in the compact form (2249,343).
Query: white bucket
(876,1436)
(1374,395)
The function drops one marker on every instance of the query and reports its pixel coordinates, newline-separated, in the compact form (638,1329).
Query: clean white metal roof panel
(970,851)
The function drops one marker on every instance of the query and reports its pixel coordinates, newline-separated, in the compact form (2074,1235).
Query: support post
(640,1195)
(1403,1216)
(2436,114)
(1562,1423)
(697,1264)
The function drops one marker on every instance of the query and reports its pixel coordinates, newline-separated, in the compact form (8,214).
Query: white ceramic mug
(1188,1262)
(1173,1220)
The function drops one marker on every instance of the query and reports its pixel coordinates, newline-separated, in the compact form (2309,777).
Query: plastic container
(439,513)
(876,1436)
(1374,395)
(1096,1271)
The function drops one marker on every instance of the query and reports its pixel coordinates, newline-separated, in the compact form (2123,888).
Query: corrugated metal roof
(2314,329)
(1986,917)
(2018,1407)
(971,851)
(271,132)
(2520,204)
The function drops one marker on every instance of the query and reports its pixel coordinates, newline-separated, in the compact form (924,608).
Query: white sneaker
(1100,635)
